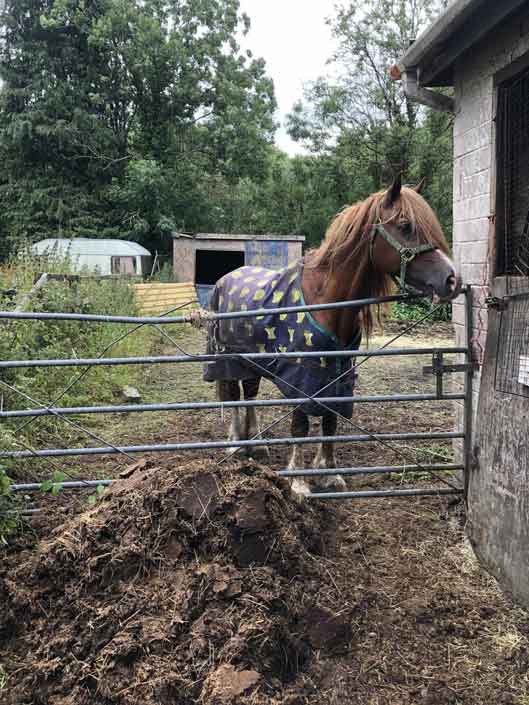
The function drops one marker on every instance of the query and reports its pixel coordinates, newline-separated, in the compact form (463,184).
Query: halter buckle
(407,254)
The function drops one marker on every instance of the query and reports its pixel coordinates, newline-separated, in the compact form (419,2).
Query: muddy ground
(203,580)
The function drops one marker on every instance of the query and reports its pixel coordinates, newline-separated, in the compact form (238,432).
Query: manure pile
(187,585)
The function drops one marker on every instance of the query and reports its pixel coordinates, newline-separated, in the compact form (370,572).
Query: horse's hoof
(330,483)
(259,453)
(236,452)
(300,487)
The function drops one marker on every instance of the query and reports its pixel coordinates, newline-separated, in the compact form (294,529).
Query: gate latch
(438,369)
(496,303)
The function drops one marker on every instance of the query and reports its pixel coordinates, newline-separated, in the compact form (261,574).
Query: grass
(3,678)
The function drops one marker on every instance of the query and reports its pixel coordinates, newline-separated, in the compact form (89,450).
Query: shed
(206,257)
(103,257)
(481,48)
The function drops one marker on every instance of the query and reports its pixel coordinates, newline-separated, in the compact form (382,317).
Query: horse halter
(406,254)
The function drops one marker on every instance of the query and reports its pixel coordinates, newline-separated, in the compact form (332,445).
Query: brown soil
(182,585)
(194,582)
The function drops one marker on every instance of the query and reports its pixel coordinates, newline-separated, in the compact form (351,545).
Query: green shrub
(165,274)
(66,339)
(418,309)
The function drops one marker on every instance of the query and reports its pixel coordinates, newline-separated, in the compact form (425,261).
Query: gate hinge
(496,303)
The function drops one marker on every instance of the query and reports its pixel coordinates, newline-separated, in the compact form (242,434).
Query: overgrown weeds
(402,311)
(34,387)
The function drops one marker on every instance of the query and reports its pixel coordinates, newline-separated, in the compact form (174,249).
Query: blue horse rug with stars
(251,288)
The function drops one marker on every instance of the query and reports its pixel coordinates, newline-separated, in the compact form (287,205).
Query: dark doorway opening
(512,198)
(211,265)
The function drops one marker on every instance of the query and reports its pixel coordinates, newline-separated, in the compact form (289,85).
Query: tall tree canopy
(116,115)
(362,118)
(132,118)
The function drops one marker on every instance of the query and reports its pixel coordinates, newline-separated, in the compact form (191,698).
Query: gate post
(469,383)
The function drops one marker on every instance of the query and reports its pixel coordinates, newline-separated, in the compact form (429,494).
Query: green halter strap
(407,254)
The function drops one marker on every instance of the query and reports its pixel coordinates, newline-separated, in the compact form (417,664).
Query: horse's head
(407,240)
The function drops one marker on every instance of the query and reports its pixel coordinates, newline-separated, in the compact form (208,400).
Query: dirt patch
(195,584)
(183,585)
(189,584)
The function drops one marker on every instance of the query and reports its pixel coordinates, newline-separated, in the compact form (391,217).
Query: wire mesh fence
(512,358)
(513,186)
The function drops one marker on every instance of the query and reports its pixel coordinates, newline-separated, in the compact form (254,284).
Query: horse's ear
(393,192)
(420,185)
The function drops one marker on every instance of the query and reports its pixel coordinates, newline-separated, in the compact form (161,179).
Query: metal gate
(438,368)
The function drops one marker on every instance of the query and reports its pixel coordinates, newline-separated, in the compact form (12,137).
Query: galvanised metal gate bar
(213,405)
(175,359)
(210,445)
(192,317)
(438,368)
(388,470)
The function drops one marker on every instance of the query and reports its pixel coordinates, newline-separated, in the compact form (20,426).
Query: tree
(112,111)
(362,117)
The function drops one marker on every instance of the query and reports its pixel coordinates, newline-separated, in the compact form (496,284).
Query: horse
(391,233)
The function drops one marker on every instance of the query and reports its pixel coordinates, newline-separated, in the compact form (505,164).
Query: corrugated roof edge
(91,246)
(435,51)
(238,236)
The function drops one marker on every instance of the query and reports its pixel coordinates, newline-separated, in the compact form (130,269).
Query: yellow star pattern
(259,295)
(270,332)
(308,338)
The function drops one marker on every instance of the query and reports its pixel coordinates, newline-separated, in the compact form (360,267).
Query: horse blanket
(251,288)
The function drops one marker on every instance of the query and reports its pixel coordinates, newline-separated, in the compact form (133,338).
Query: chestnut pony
(393,232)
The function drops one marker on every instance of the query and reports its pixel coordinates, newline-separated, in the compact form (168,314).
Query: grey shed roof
(465,22)
(89,246)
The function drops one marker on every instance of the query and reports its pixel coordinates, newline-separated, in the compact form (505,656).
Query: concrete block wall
(474,169)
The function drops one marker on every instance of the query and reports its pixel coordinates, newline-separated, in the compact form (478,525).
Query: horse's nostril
(451,283)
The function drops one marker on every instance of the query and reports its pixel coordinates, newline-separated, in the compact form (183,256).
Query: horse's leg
(251,428)
(325,458)
(229,390)
(299,429)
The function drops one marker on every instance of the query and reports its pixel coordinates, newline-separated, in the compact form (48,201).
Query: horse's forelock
(414,208)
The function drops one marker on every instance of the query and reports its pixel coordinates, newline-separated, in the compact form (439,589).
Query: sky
(292,37)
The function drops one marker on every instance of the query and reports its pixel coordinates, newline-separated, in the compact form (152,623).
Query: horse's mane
(343,257)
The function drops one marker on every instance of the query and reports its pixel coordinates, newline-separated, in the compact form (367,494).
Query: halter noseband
(407,254)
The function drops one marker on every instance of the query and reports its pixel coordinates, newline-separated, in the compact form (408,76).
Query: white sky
(292,37)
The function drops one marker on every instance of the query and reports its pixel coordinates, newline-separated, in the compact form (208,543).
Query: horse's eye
(406,229)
